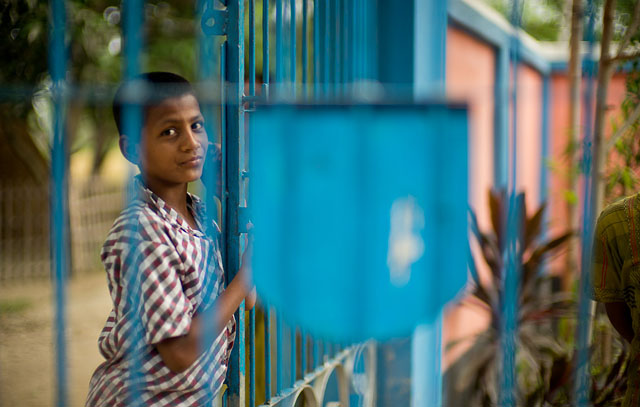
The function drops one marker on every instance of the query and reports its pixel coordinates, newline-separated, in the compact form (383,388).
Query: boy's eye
(199,125)
(168,132)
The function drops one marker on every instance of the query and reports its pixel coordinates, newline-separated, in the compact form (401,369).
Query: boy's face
(173,143)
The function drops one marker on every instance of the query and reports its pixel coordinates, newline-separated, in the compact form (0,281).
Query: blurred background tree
(94,51)
(545,20)
(94,69)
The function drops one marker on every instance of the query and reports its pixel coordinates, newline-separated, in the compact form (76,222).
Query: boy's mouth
(192,162)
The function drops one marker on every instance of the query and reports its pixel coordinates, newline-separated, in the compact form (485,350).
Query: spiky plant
(473,379)
(608,381)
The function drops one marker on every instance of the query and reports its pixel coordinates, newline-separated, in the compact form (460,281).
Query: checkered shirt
(615,274)
(178,273)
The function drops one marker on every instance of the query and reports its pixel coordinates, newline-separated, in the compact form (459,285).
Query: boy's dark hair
(149,89)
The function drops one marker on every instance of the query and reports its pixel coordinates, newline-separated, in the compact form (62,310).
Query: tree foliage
(94,52)
(543,20)
(623,172)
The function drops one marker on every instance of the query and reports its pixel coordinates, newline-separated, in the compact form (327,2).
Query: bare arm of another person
(180,352)
(620,317)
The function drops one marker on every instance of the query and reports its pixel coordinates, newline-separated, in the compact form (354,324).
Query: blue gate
(324,50)
(321,51)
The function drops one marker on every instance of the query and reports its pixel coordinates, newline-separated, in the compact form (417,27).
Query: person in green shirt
(616,278)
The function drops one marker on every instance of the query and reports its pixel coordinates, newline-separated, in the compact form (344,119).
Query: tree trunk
(605,72)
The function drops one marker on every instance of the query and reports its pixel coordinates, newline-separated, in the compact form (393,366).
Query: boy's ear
(129,151)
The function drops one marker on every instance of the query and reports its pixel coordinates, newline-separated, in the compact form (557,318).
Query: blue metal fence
(222,43)
(342,52)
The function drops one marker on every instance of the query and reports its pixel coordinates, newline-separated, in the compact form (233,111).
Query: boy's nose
(191,140)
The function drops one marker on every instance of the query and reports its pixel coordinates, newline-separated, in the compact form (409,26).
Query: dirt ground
(27,344)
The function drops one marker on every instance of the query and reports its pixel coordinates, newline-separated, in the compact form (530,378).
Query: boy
(164,238)
(616,278)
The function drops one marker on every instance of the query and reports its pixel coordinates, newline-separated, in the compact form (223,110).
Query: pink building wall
(559,137)
(529,135)
(470,76)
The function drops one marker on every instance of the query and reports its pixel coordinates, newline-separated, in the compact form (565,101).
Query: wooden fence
(24,227)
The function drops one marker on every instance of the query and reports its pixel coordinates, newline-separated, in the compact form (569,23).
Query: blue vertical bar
(335,46)
(316,353)
(360,39)
(501,119)
(316,48)
(581,373)
(252,357)
(267,355)
(326,46)
(545,134)
(265,47)
(252,47)
(369,35)
(252,92)
(279,41)
(132,120)
(223,129)
(353,35)
(206,43)
(59,215)
(396,25)
(223,135)
(279,350)
(507,395)
(206,70)
(303,352)
(326,350)
(344,40)
(206,74)
(429,47)
(429,71)
(364,40)
(252,312)
(305,52)
(373,40)
(292,30)
(426,366)
(293,356)
(546,111)
(234,133)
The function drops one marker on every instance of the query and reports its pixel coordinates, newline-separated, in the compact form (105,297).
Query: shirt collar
(194,204)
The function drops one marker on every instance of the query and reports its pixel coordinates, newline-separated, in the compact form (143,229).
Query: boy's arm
(180,352)
(620,317)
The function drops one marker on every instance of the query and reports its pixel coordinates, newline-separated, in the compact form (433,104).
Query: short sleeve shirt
(616,272)
(616,253)
(167,272)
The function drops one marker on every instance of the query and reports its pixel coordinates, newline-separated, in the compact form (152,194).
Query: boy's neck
(173,195)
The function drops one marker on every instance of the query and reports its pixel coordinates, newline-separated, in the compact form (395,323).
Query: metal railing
(320,52)
(334,57)
(337,52)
